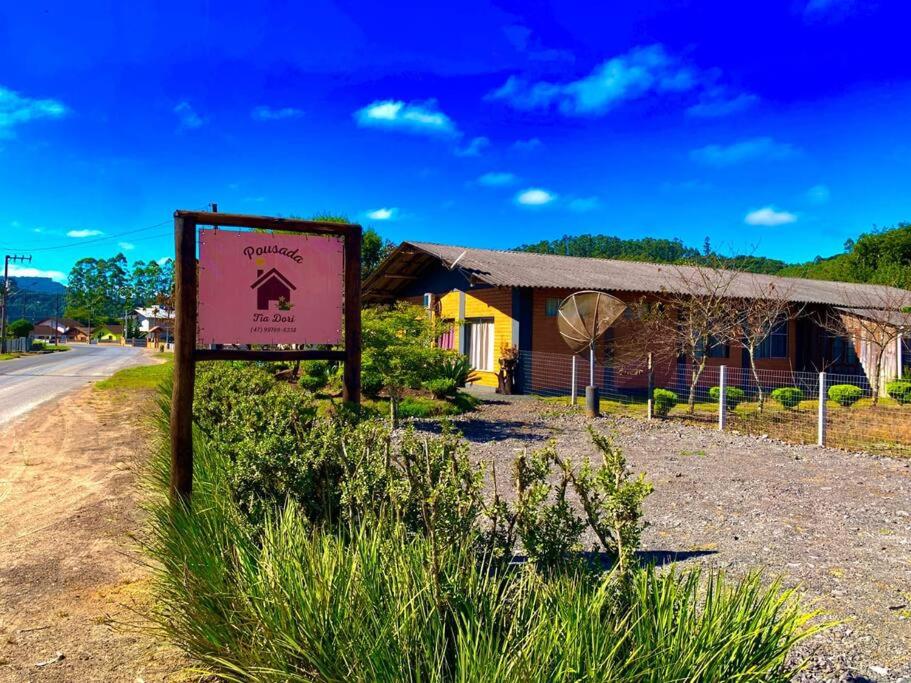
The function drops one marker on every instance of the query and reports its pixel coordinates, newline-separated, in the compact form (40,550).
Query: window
(716,349)
(843,351)
(776,344)
(551,306)
(479,343)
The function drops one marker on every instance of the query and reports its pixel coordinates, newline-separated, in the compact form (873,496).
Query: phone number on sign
(270,328)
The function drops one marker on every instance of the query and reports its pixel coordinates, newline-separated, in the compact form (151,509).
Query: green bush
(664,400)
(734,396)
(456,367)
(440,388)
(788,397)
(900,390)
(311,383)
(845,394)
(373,602)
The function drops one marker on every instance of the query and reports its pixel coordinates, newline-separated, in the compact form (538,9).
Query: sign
(259,288)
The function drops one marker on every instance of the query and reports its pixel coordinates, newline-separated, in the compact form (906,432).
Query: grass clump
(322,549)
(148,377)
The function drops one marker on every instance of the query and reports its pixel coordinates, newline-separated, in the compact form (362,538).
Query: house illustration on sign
(271,286)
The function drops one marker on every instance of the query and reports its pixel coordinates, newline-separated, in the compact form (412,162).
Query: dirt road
(69,580)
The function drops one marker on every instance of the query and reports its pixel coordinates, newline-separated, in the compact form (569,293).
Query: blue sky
(779,129)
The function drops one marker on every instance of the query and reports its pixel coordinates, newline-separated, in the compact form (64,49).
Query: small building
(160,337)
(505,298)
(77,333)
(45,333)
(152,316)
(109,332)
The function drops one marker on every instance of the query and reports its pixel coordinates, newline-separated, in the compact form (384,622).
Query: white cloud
(423,118)
(163,260)
(16,109)
(819,194)
(383,214)
(717,104)
(188,117)
(745,150)
(584,204)
(266,113)
(498,179)
(126,246)
(84,233)
(473,148)
(768,216)
(19,271)
(526,145)
(535,196)
(639,72)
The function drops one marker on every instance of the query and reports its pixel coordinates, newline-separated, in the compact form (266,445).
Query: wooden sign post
(187,320)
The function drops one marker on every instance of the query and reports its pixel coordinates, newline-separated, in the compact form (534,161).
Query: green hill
(881,256)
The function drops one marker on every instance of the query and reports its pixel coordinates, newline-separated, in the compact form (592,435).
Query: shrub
(733,396)
(900,390)
(664,400)
(440,388)
(788,397)
(457,367)
(311,383)
(396,583)
(845,394)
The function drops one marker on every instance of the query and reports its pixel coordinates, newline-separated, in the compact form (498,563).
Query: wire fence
(781,404)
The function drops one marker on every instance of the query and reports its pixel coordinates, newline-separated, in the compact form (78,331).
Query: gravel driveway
(837,523)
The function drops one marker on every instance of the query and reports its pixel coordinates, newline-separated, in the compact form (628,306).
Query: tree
(698,315)
(757,317)
(373,250)
(20,328)
(398,349)
(877,319)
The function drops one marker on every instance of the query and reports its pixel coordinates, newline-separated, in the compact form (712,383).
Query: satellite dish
(584,316)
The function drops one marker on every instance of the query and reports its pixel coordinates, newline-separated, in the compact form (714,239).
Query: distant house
(505,298)
(108,332)
(152,316)
(60,324)
(77,333)
(271,286)
(43,332)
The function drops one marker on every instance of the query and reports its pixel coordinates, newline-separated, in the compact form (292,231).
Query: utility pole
(3,302)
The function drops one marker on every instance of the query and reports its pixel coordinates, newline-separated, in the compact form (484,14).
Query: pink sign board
(261,288)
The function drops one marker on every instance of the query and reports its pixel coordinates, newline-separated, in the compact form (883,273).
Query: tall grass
(287,601)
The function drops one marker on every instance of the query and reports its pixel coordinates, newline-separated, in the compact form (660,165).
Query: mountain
(35,298)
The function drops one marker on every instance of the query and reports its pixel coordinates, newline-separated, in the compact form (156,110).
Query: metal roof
(524,269)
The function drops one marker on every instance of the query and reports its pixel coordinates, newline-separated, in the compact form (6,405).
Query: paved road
(31,380)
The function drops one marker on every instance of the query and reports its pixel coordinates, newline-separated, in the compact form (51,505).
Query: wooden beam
(181,418)
(401,277)
(267,355)
(238,220)
(351,391)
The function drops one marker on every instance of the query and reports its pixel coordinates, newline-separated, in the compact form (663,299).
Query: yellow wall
(494,302)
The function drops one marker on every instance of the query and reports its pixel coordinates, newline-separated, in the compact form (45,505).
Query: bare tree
(878,317)
(757,316)
(699,315)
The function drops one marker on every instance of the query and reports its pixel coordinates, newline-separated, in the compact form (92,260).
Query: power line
(106,238)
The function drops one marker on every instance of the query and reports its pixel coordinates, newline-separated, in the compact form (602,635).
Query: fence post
(722,397)
(572,398)
(651,388)
(821,415)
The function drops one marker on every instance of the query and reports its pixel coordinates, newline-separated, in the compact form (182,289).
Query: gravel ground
(837,524)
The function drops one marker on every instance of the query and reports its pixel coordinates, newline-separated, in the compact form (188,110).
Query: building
(504,298)
(108,332)
(42,332)
(153,316)
(271,286)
